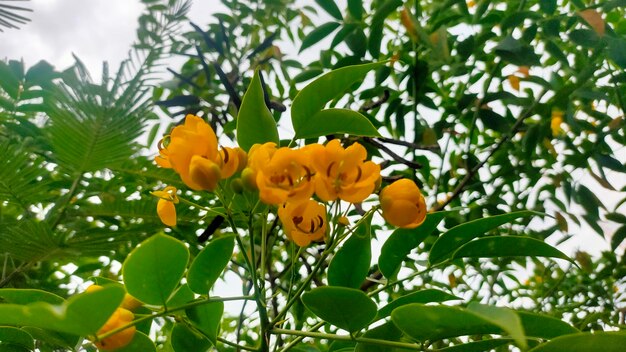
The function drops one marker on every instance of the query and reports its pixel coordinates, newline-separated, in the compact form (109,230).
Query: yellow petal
(204,173)
(167,212)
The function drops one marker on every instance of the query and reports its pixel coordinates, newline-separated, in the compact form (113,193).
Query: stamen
(330,167)
(321,220)
(359,174)
(290,180)
(226,156)
(312,226)
(161,145)
(297,220)
(309,174)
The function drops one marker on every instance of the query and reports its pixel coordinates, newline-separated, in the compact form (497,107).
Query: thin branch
(393,155)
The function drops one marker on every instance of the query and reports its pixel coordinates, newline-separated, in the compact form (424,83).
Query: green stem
(186,201)
(226,342)
(365,340)
(300,338)
(318,266)
(166,312)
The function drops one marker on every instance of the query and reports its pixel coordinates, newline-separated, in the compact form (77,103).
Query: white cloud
(94,30)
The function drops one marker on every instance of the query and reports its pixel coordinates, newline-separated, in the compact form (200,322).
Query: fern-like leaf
(10,14)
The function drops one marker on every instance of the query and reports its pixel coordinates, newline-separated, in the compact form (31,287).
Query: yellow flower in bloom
(259,155)
(304,222)
(195,138)
(287,177)
(165,207)
(119,318)
(342,173)
(402,204)
(555,122)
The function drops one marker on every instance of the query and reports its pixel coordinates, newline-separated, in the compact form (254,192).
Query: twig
(394,156)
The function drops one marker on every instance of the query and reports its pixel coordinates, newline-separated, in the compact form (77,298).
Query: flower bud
(237,186)
(204,173)
(119,318)
(402,204)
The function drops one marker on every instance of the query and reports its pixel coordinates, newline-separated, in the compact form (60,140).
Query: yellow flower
(119,318)
(259,155)
(342,173)
(165,207)
(304,222)
(195,138)
(286,177)
(129,302)
(555,122)
(402,204)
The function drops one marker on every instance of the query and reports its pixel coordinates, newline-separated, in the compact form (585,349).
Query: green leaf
(318,34)
(457,236)
(53,338)
(545,327)
(584,37)
(26,296)
(508,246)
(346,308)
(140,343)
(255,122)
(617,51)
(547,6)
(351,263)
(184,339)
(585,342)
(92,129)
(312,98)
(331,8)
(387,332)
(153,270)
(517,53)
(182,295)
(82,314)
(207,318)
(306,75)
(438,322)
(355,8)
(423,296)
(618,237)
(17,337)
(505,318)
(477,346)
(403,241)
(334,121)
(378,24)
(209,264)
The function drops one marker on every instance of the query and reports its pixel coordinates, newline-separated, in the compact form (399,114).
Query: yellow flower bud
(237,186)
(119,318)
(130,302)
(403,204)
(205,173)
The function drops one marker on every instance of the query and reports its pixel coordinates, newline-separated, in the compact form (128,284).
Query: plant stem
(226,342)
(166,312)
(366,340)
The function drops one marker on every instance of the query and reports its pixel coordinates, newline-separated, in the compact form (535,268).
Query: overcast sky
(94,30)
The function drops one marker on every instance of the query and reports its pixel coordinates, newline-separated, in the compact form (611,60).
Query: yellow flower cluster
(285,177)
(119,318)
